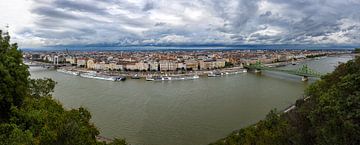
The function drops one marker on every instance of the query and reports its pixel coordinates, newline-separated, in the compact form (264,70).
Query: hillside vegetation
(357,50)
(330,116)
(28,113)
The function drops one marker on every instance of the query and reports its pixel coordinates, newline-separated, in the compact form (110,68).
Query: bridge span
(305,72)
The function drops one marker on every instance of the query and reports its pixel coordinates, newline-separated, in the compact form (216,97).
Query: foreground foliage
(357,50)
(29,115)
(331,116)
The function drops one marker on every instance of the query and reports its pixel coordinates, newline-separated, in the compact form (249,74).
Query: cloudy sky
(36,23)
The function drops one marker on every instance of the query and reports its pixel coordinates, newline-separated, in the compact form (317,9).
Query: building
(110,66)
(154,66)
(192,65)
(100,66)
(90,64)
(48,58)
(142,66)
(220,63)
(119,66)
(167,65)
(81,62)
(70,59)
(131,66)
(212,64)
(181,66)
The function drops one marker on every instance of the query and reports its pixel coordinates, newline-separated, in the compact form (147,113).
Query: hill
(330,115)
(28,113)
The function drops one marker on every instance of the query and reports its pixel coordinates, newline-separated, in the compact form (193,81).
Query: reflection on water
(180,112)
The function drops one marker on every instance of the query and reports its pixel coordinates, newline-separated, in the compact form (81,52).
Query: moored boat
(68,71)
(214,74)
(136,76)
(171,78)
(149,78)
(120,78)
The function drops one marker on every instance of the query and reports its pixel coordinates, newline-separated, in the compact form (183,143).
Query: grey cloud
(79,6)
(160,24)
(51,12)
(267,14)
(228,22)
(148,6)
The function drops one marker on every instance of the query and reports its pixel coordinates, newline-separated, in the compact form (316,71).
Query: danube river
(181,112)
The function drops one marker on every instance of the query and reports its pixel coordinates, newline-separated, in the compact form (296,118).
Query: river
(187,112)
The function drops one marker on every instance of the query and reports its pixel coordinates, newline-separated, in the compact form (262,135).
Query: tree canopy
(330,116)
(14,82)
(357,50)
(29,114)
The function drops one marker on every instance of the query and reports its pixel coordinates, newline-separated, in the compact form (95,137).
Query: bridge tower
(56,60)
(258,64)
(304,78)
(305,72)
(257,71)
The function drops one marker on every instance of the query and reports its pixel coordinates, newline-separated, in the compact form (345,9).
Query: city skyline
(40,23)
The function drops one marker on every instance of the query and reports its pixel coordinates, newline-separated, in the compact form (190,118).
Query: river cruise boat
(171,78)
(215,74)
(120,78)
(149,78)
(68,72)
(94,75)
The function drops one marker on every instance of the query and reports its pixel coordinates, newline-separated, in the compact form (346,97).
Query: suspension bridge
(305,72)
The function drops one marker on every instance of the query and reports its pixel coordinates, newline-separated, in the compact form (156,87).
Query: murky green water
(181,112)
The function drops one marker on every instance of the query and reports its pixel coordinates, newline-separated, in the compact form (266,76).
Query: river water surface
(187,112)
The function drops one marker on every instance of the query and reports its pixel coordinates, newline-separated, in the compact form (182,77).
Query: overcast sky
(142,22)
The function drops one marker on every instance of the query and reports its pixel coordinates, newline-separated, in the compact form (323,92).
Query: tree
(357,50)
(336,115)
(41,87)
(118,142)
(14,77)
(330,116)
(29,115)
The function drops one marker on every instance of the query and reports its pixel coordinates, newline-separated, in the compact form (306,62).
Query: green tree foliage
(273,130)
(357,50)
(29,115)
(330,116)
(336,114)
(118,142)
(49,123)
(14,76)
(41,87)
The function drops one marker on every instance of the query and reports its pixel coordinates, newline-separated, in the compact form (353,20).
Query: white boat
(149,78)
(215,74)
(93,75)
(171,78)
(68,72)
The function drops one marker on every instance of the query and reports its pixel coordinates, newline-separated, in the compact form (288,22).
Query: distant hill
(190,47)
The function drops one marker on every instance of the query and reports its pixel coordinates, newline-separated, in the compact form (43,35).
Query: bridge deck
(304,71)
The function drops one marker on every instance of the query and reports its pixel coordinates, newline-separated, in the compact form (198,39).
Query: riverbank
(112,75)
(173,75)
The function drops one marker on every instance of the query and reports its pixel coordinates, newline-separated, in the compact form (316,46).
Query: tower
(56,60)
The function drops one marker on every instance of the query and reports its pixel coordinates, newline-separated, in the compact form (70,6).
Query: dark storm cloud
(79,6)
(52,13)
(148,6)
(193,22)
